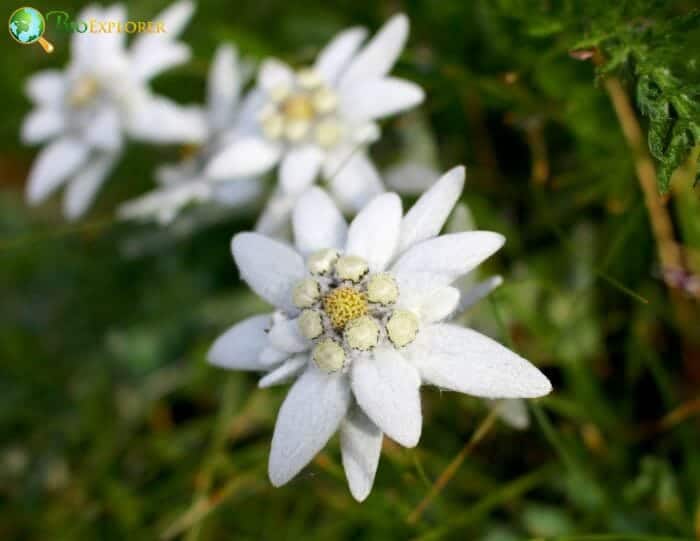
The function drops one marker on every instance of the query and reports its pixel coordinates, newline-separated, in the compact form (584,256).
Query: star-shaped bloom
(84,112)
(227,117)
(361,320)
(318,121)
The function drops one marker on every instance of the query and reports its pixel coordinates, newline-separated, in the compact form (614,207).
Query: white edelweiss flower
(227,117)
(363,343)
(511,411)
(84,112)
(318,120)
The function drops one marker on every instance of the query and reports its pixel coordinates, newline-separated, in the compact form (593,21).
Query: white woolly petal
(98,51)
(379,98)
(439,305)
(270,268)
(428,301)
(427,217)
(237,192)
(285,335)
(153,53)
(380,54)
(299,168)
(449,256)
(473,294)
(105,129)
(223,87)
(55,163)
(274,220)
(318,224)
(285,372)
(309,416)
(42,124)
(513,412)
(247,156)
(162,56)
(335,56)
(387,389)
(353,180)
(466,361)
(271,356)
(46,88)
(240,346)
(176,17)
(82,189)
(160,120)
(274,73)
(374,233)
(360,446)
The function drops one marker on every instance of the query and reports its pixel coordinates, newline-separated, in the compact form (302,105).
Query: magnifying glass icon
(27,26)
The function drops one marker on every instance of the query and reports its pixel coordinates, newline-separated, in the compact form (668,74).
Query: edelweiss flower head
(185,183)
(360,318)
(318,119)
(103,95)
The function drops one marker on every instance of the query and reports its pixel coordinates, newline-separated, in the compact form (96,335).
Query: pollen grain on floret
(344,304)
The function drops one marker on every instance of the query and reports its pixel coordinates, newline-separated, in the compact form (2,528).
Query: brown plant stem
(661,225)
(451,469)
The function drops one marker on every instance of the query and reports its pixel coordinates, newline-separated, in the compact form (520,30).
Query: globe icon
(27,26)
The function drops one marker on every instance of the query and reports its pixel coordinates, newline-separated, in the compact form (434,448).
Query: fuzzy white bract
(319,120)
(513,411)
(360,319)
(228,117)
(84,112)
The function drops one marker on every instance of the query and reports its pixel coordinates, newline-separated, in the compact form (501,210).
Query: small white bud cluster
(345,308)
(306,110)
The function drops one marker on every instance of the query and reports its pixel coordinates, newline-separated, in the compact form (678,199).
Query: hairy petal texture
(353,179)
(317,222)
(360,446)
(335,56)
(299,168)
(246,157)
(55,163)
(449,256)
(310,414)
(46,88)
(42,124)
(386,387)
(274,73)
(239,347)
(83,188)
(374,232)
(466,361)
(269,267)
(223,88)
(380,54)
(427,217)
(379,98)
(287,371)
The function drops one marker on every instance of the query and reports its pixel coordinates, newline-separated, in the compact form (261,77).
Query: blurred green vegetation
(112,425)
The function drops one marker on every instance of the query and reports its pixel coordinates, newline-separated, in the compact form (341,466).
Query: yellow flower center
(298,107)
(83,91)
(344,304)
